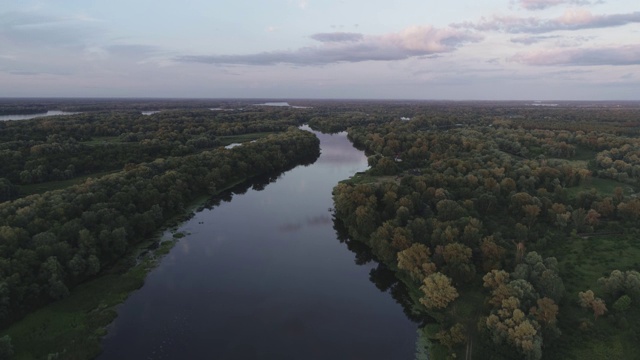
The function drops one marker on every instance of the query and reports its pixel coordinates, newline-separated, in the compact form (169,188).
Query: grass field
(582,262)
(583,153)
(585,260)
(102,140)
(603,186)
(227,140)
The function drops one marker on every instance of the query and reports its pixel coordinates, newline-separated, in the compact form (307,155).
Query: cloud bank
(353,47)
(616,56)
(528,40)
(573,19)
(543,4)
(33,29)
(337,37)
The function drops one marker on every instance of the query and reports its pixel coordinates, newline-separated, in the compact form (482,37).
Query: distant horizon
(298,99)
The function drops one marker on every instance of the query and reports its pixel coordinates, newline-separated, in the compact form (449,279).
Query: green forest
(81,193)
(513,227)
(515,230)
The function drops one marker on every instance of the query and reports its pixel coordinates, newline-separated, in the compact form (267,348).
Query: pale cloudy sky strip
(490,49)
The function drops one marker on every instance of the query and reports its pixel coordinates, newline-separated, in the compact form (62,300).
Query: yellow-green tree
(588,301)
(452,337)
(416,260)
(438,291)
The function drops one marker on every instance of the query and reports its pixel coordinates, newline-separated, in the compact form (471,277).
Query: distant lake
(32,116)
(283,104)
(150,112)
(263,275)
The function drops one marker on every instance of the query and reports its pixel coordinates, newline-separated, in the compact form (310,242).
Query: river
(265,277)
(33,116)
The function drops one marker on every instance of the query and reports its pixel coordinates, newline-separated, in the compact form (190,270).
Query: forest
(513,229)
(81,191)
(510,230)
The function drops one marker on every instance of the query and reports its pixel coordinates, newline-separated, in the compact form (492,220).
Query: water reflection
(263,277)
(257,183)
(337,151)
(383,278)
(320,220)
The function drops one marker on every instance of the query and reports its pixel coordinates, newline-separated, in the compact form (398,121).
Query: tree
(592,218)
(402,238)
(578,217)
(586,298)
(497,281)
(630,210)
(531,213)
(449,210)
(509,323)
(542,274)
(622,304)
(53,273)
(438,291)
(546,311)
(588,301)
(618,283)
(492,254)
(452,337)
(599,307)
(472,232)
(416,260)
(458,261)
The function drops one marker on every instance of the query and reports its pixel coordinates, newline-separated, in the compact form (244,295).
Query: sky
(352,49)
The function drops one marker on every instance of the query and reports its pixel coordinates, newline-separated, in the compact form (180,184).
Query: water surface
(32,116)
(281,104)
(264,277)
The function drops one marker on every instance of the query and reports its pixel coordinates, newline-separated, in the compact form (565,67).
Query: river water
(264,277)
(32,116)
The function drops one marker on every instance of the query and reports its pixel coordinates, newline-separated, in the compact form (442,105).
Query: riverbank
(72,327)
(264,276)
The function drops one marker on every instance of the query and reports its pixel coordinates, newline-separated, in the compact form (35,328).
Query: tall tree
(438,291)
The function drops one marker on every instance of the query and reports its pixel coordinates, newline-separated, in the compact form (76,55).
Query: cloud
(572,19)
(133,50)
(30,28)
(617,56)
(351,47)
(543,4)
(23,72)
(528,40)
(337,37)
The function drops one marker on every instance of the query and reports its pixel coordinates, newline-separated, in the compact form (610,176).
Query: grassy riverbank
(72,327)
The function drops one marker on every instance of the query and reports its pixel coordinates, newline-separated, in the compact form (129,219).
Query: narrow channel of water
(32,116)
(265,277)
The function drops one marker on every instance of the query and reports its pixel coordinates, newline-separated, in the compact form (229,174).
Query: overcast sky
(377,49)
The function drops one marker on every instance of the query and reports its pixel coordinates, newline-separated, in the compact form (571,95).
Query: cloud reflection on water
(320,220)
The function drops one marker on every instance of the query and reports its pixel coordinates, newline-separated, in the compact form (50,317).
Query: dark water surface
(264,277)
